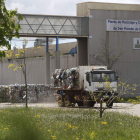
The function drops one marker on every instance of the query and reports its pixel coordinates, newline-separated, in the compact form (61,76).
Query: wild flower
(92,134)
(54,137)
(104,122)
(40,128)
(37,116)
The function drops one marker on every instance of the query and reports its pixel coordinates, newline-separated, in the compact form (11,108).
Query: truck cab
(101,83)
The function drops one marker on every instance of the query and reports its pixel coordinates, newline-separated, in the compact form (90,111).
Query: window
(110,77)
(96,77)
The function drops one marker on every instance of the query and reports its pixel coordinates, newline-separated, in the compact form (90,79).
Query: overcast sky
(53,7)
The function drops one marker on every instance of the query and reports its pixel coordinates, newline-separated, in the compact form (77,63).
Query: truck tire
(60,101)
(86,101)
(92,103)
(109,105)
(80,103)
(67,101)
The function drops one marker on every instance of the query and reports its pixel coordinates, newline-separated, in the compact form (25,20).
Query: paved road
(119,107)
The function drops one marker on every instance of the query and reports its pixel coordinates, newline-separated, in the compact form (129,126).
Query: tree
(18,55)
(106,56)
(8,26)
(123,88)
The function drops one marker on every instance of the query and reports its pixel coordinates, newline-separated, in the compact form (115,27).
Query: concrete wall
(35,68)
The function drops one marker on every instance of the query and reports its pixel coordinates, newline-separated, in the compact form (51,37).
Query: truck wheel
(92,103)
(67,101)
(109,105)
(60,101)
(80,103)
(86,101)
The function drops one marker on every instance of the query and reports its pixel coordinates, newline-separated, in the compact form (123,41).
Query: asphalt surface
(117,107)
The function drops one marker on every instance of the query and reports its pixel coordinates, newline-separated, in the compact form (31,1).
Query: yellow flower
(39,47)
(49,130)
(121,123)
(54,137)
(104,122)
(15,69)
(92,134)
(37,116)
(77,138)
(70,126)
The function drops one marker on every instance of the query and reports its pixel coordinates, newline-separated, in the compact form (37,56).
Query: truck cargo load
(72,78)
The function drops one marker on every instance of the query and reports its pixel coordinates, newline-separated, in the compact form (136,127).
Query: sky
(52,7)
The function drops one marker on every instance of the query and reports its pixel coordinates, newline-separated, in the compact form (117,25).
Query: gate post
(47,59)
(57,54)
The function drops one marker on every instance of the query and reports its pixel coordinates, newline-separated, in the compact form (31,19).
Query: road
(117,107)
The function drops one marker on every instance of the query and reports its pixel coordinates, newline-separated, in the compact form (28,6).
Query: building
(118,25)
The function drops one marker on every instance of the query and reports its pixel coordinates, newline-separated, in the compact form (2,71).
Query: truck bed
(64,88)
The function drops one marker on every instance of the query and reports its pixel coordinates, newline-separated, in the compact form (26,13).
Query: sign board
(123,25)
(136,43)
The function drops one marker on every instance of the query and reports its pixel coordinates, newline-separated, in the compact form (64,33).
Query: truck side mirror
(87,77)
(89,83)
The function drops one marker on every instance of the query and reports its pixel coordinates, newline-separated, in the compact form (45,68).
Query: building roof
(83,9)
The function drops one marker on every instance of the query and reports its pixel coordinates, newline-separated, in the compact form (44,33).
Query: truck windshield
(102,77)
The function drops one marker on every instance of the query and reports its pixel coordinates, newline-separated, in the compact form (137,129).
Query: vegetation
(8,26)
(106,55)
(134,100)
(20,61)
(42,123)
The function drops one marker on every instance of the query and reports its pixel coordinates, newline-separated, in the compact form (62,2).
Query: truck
(95,83)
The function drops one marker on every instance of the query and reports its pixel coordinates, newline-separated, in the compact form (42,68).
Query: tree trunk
(101,110)
(25,82)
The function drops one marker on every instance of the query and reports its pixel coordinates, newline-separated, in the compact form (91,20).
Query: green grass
(128,100)
(43,123)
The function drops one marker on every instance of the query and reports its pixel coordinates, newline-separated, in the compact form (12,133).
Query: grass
(43,123)
(135,100)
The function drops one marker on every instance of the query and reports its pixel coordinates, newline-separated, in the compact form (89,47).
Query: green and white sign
(136,43)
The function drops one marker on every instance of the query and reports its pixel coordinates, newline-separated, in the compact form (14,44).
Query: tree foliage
(8,26)
(20,63)
(106,55)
